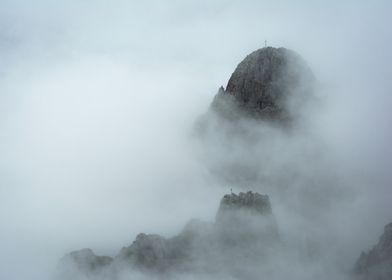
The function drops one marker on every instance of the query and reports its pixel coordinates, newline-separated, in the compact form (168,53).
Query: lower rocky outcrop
(244,230)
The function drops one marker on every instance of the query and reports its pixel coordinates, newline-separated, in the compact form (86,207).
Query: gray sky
(98,100)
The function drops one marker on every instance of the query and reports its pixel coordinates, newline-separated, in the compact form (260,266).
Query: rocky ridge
(377,263)
(244,224)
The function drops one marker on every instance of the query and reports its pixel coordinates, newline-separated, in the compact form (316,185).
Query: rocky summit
(270,83)
(377,263)
(249,201)
(247,236)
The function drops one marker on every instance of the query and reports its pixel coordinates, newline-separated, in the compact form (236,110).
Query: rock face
(244,228)
(270,83)
(252,202)
(377,263)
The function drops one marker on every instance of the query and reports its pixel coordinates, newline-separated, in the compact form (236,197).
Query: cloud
(98,102)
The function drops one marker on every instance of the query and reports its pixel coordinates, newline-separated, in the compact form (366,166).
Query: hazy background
(98,101)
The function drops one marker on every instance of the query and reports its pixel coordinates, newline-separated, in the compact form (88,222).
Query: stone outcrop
(270,83)
(252,202)
(244,224)
(377,263)
(246,221)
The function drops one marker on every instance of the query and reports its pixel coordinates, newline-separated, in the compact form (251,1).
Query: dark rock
(377,263)
(270,83)
(252,202)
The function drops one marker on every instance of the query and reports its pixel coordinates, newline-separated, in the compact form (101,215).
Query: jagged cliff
(244,228)
(377,263)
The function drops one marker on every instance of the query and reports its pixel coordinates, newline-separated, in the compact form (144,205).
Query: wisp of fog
(99,110)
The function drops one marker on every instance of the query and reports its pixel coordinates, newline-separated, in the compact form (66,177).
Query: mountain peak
(269,84)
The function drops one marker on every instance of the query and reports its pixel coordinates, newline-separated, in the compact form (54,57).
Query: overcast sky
(98,100)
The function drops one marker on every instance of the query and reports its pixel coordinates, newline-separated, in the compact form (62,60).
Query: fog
(98,107)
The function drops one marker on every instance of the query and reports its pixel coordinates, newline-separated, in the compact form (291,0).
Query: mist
(99,104)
